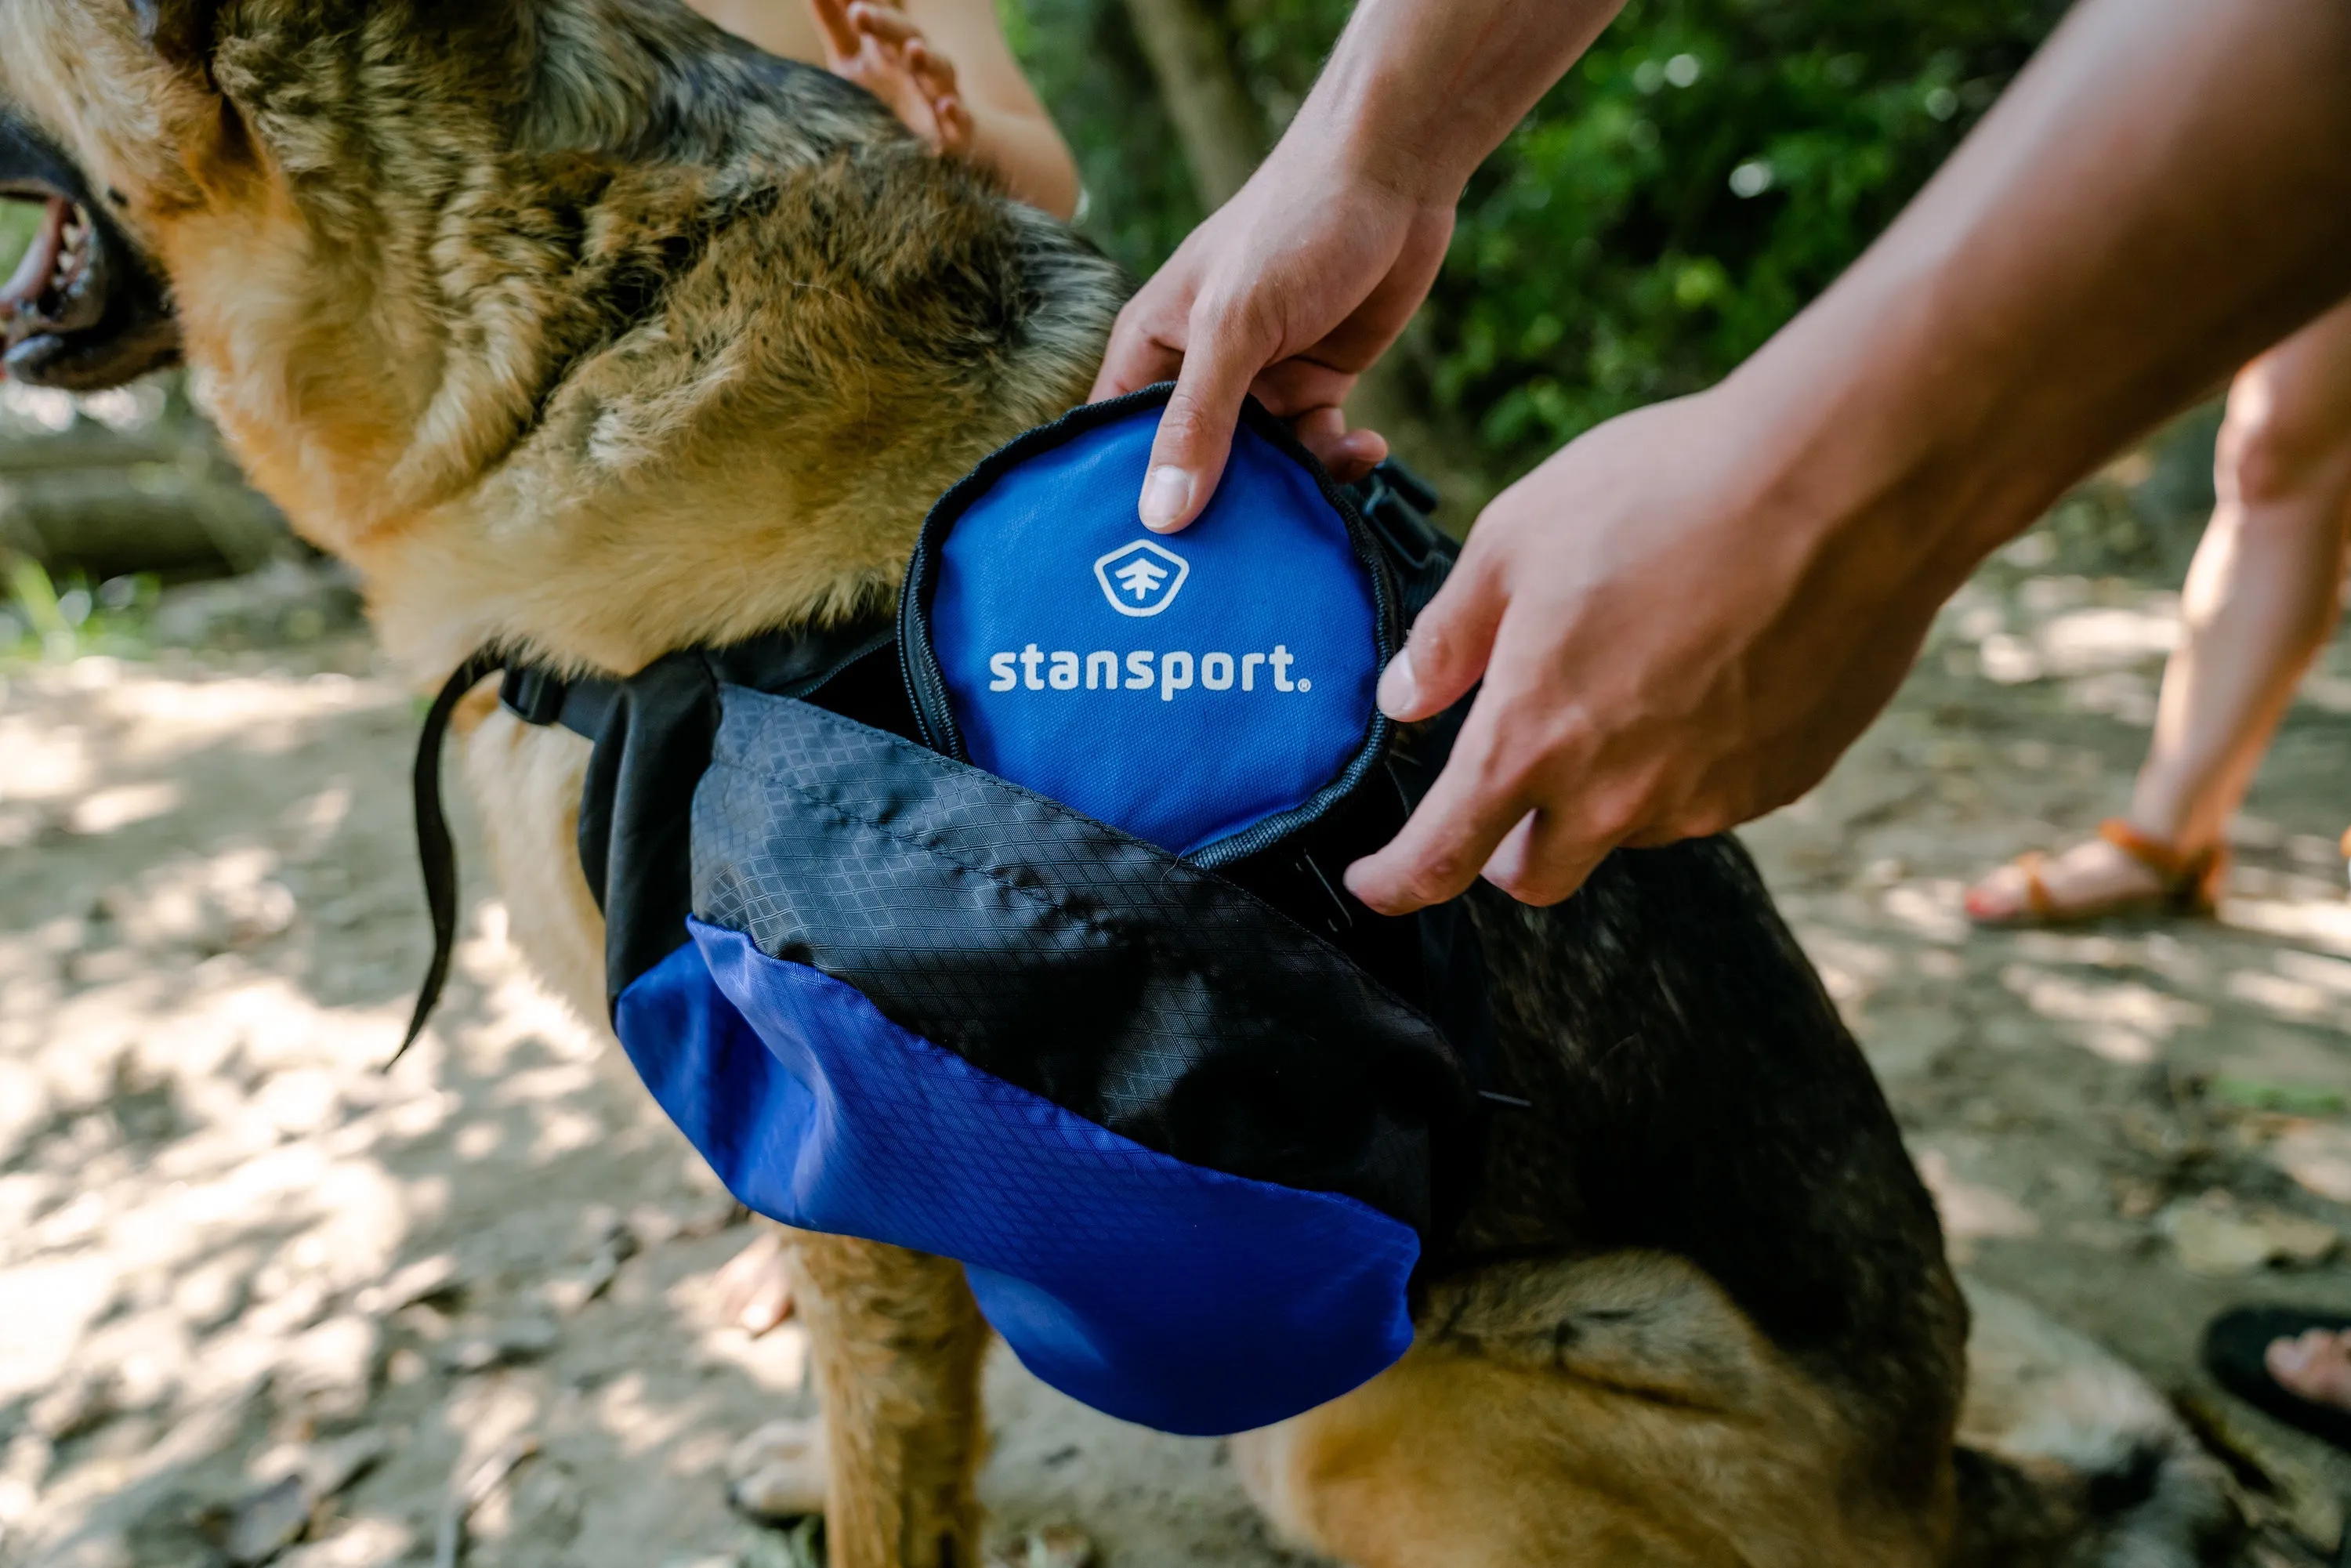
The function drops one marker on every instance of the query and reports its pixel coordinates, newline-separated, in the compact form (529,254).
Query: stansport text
(1033,669)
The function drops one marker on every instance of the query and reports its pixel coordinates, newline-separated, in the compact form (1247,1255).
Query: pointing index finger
(1195,432)
(1452,834)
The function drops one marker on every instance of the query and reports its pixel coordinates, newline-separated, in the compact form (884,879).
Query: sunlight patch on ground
(144,724)
(50,1305)
(2124,1021)
(2323,923)
(2317,1156)
(1931,911)
(1971,1211)
(2083,642)
(40,761)
(109,811)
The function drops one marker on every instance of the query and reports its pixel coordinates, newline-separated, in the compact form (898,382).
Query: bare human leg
(2259,599)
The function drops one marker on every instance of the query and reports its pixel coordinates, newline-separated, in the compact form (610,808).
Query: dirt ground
(252,1289)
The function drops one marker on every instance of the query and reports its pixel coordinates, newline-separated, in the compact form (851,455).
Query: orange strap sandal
(2190,883)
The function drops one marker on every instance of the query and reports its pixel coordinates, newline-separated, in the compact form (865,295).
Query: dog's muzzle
(83,309)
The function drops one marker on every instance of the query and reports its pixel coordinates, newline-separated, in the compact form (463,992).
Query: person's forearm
(1030,156)
(1679,621)
(2164,192)
(1303,279)
(1417,92)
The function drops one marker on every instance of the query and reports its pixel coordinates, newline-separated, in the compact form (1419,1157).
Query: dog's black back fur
(1694,1092)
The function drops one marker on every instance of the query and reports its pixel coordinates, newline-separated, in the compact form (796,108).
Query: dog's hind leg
(897,1343)
(1616,1412)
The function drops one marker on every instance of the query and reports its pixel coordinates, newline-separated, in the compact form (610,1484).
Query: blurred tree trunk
(105,503)
(1223,132)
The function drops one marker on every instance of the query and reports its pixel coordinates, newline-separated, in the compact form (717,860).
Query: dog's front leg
(897,1341)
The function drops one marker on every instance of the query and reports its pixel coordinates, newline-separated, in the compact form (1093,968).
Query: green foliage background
(1604,259)
(1086,64)
(17,222)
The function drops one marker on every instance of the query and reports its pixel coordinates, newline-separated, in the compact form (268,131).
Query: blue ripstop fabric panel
(1181,689)
(1157,1291)
(1056,953)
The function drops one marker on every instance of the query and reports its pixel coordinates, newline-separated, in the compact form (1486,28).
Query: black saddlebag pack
(1011,929)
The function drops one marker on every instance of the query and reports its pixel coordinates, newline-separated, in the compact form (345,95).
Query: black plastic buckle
(1396,502)
(533,695)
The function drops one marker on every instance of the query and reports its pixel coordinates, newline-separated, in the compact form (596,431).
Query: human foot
(2315,1365)
(2120,869)
(778,1471)
(2289,1361)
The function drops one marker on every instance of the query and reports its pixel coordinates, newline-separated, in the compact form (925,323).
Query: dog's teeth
(73,251)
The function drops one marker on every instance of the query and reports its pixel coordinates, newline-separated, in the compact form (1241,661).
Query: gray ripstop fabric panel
(1057,954)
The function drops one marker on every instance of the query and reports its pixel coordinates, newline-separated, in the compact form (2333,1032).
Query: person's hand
(878,47)
(1673,639)
(1295,286)
(1683,618)
(1289,290)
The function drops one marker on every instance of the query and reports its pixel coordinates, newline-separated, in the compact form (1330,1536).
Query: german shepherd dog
(577,327)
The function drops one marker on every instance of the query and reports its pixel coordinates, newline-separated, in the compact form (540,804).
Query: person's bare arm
(942,65)
(1682,619)
(1011,131)
(1307,275)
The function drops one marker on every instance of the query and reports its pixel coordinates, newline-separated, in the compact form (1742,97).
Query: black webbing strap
(434,849)
(535,698)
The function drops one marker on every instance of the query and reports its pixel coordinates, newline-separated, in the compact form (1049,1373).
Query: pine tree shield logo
(1141,579)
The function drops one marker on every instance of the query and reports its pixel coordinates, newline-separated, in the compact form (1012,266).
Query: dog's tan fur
(575,328)
(1495,1445)
(418,368)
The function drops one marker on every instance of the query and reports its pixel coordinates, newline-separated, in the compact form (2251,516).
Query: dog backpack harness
(1010,929)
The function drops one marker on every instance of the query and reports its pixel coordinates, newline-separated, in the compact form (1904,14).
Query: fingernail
(1399,691)
(1166,494)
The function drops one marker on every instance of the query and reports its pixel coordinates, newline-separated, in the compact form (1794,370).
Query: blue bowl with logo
(1188,689)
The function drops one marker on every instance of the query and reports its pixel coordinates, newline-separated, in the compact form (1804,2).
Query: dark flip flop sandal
(2232,1354)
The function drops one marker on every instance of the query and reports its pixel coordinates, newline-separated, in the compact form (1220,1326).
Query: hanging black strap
(677,697)
(434,849)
